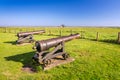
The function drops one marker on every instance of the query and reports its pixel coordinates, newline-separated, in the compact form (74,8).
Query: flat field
(94,60)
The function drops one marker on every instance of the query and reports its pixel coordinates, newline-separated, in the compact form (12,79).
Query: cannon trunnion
(27,37)
(43,56)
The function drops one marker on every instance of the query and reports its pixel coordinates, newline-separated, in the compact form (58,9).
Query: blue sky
(57,12)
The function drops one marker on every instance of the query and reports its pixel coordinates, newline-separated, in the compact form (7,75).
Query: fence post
(49,32)
(20,30)
(60,33)
(81,34)
(97,36)
(71,32)
(118,37)
(5,29)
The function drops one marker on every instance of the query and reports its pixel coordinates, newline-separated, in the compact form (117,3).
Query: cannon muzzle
(46,44)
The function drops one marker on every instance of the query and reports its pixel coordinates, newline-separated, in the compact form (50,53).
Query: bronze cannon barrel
(46,44)
(30,33)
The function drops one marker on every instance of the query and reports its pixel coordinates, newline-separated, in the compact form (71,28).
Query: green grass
(94,60)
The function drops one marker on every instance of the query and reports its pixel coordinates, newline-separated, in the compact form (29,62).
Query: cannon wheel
(65,56)
(46,62)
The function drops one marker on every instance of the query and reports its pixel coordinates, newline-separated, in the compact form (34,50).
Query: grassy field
(94,60)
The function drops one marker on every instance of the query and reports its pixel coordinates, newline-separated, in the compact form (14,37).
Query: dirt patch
(54,62)
(28,69)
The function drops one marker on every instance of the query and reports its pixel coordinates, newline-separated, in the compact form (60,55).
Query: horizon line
(59,26)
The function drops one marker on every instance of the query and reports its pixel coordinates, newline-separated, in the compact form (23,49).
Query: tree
(62,26)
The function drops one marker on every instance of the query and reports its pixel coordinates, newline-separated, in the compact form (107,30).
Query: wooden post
(97,35)
(49,32)
(5,30)
(81,34)
(71,32)
(20,30)
(60,33)
(118,37)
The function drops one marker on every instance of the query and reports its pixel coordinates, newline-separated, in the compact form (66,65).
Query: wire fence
(95,35)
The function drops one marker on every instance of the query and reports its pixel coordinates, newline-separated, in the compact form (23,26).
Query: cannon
(27,37)
(43,56)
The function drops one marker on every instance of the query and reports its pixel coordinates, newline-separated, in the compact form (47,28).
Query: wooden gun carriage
(27,37)
(43,56)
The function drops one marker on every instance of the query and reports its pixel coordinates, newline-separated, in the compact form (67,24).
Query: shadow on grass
(90,39)
(25,59)
(112,41)
(11,42)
